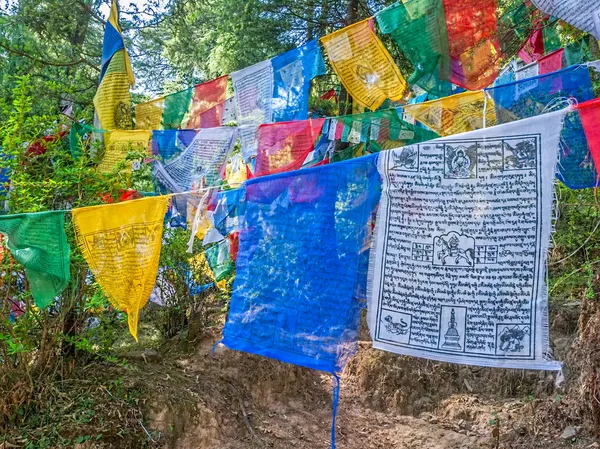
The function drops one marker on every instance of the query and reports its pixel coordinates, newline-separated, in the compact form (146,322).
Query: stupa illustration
(452,337)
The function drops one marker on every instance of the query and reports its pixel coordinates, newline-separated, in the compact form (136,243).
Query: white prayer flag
(458,264)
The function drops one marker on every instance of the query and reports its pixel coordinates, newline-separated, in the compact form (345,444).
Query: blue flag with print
(545,93)
(292,73)
(302,236)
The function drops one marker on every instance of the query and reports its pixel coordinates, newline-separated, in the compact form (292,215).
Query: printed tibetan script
(459,256)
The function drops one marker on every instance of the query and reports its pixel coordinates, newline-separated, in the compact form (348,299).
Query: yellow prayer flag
(363,64)
(118,143)
(149,115)
(113,100)
(121,244)
(455,114)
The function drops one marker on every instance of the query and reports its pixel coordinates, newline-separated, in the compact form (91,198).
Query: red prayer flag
(208,104)
(551,62)
(473,43)
(284,146)
(589,112)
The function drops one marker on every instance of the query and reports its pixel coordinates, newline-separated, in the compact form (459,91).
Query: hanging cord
(336,400)
(485,102)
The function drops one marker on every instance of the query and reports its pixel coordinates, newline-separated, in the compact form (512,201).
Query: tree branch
(45,62)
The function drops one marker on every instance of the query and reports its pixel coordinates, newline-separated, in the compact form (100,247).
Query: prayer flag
(455,114)
(545,93)
(121,244)
(300,238)
(119,143)
(459,255)
(149,115)
(175,107)
(38,242)
(363,65)
(292,73)
(551,62)
(589,112)
(208,104)
(112,100)
(284,146)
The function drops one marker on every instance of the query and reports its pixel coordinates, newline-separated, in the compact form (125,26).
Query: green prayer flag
(175,107)
(419,29)
(577,52)
(551,39)
(39,243)
(219,260)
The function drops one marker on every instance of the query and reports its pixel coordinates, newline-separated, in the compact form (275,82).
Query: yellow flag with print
(118,143)
(363,64)
(121,244)
(455,114)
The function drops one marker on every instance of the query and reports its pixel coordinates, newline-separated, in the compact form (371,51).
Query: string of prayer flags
(380,129)
(39,243)
(119,143)
(363,64)
(551,62)
(121,244)
(589,112)
(582,14)
(208,104)
(469,287)
(284,146)
(455,114)
(288,307)
(545,93)
(113,100)
(418,28)
(292,73)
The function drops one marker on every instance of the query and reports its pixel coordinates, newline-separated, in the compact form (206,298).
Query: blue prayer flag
(302,238)
(292,72)
(545,93)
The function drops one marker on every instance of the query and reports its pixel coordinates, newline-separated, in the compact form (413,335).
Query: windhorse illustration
(407,158)
(451,253)
(400,328)
(511,339)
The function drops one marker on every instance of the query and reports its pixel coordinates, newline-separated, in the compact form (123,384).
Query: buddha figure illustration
(452,338)
(460,164)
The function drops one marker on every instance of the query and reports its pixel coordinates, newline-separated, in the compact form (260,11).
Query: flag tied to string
(275,90)
(200,106)
(455,114)
(459,254)
(284,146)
(121,244)
(113,100)
(300,238)
(38,242)
(119,143)
(541,94)
(446,41)
(363,64)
